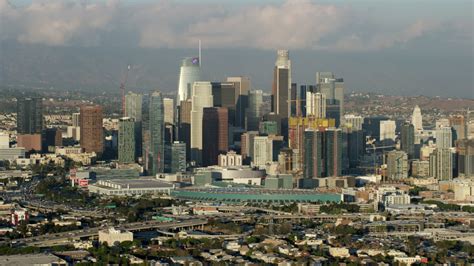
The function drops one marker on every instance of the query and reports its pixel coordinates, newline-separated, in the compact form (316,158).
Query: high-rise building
(407,143)
(225,94)
(190,72)
(444,137)
(301,98)
(443,122)
(268,128)
(215,134)
(76,119)
(441,164)
(354,121)
(50,137)
(178,157)
(281,84)
(168,106)
(420,169)
(29,116)
(92,133)
(157,138)
(247,144)
(397,165)
(201,98)
(458,123)
(333,89)
(417,119)
(133,106)
(242,88)
(323,152)
(126,140)
(387,130)
(184,130)
(465,150)
(262,151)
(316,105)
(254,110)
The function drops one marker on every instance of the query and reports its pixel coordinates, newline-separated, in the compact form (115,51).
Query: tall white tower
(190,72)
(201,98)
(316,104)
(417,119)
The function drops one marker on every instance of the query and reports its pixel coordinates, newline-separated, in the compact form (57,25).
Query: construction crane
(122,87)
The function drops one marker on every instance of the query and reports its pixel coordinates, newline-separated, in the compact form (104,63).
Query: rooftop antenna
(200,56)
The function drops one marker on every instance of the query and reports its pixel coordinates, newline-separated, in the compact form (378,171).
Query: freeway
(66,237)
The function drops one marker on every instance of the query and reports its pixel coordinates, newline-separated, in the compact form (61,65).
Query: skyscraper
(254,110)
(458,123)
(387,130)
(190,72)
(178,157)
(397,165)
(444,137)
(29,116)
(168,105)
(201,98)
(76,119)
(134,109)
(126,140)
(333,88)
(407,143)
(316,105)
(323,152)
(262,151)
(465,150)
(242,88)
(215,134)
(247,144)
(313,153)
(92,133)
(225,94)
(441,164)
(157,127)
(184,120)
(281,84)
(417,119)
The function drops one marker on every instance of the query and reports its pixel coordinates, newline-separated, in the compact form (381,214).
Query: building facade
(92,133)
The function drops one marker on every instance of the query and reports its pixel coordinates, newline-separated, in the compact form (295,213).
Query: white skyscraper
(190,72)
(387,129)
(316,104)
(417,119)
(444,137)
(201,98)
(281,90)
(262,151)
(168,105)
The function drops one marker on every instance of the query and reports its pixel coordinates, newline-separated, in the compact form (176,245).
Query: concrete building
(12,154)
(178,157)
(354,121)
(407,143)
(215,134)
(333,89)
(190,72)
(465,150)
(242,87)
(420,169)
(201,98)
(397,165)
(29,116)
(441,164)
(281,89)
(417,119)
(126,140)
(113,236)
(168,106)
(315,104)
(322,153)
(229,159)
(30,142)
(184,125)
(387,130)
(444,137)
(130,187)
(92,134)
(254,111)
(247,144)
(262,151)
(458,123)
(134,106)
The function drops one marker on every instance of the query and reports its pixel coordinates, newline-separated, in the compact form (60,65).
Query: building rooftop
(31,259)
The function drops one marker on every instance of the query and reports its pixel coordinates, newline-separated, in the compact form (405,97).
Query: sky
(424,45)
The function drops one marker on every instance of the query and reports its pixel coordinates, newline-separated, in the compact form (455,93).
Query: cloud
(294,24)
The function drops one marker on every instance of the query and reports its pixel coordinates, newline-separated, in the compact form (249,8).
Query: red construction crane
(122,87)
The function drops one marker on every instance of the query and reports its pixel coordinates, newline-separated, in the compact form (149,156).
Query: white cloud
(294,24)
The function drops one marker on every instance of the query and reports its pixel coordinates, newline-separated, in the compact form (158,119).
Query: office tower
(225,94)
(157,138)
(354,121)
(387,130)
(371,126)
(133,106)
(443,122)
(420,169)
(92,133)
(201,98)
(51,137)
(458,123)
(215,139)
(294,103)
(126,140)
(247,144)
(76,119)
(441,164)
(262,151)
(29,116)
(407,143)
(242,88)
(281,84)
(397,165)
(465,150)
(190,72)
(444,137)
(323,152)
(417,119)
(178,157)
(145,134)
(268,128)
(254,110)
(168,106)
(333,89)
(301,97)
(184,124)
(315,104)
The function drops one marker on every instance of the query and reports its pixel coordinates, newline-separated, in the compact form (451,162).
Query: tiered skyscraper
(417,119)
(190,72)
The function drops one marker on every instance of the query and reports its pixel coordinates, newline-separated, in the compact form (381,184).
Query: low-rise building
(112,236)
(127,187)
